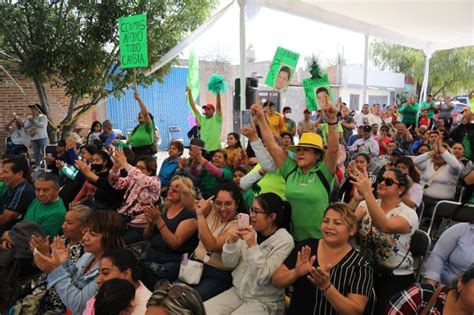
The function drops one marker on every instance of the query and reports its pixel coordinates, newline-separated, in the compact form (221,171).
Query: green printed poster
(133,41)
(317,91)
(282,69)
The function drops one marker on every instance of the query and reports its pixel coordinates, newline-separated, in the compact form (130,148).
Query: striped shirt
(351,275)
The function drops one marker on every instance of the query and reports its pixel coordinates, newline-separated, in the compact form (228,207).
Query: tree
(451,71)
(75,43)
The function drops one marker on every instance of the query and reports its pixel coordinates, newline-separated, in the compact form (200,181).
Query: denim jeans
(38,149)
(213,281)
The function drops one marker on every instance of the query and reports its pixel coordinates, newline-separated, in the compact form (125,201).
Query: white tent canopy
(429,25)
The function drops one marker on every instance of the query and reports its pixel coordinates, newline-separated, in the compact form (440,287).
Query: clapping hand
(320,277)
(304,261)
(41,244)
(59,255)
(120,159)
(83,167)
(151,213)
(362,182)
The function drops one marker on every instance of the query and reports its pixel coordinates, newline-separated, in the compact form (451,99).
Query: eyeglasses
(387,181)
(173,291)
(226,204)
(255,211)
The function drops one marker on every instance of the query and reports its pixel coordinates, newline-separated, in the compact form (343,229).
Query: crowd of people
(271,227)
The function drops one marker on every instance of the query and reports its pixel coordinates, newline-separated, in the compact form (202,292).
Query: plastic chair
(48,149)
(445,208)
(419,247)
(175,134)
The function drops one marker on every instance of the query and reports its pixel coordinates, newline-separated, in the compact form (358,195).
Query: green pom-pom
(216,83)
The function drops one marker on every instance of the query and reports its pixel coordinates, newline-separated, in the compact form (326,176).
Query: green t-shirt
(270,182)
(290,124)
(143,135)
(211,131)
(308,198)
(50,216)
(324,131)
(467,147)
(409,113)
(3,189)
(430,110)
(208,184)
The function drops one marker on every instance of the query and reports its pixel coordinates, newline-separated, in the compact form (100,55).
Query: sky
(270,29)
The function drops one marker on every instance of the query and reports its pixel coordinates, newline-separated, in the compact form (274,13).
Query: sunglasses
(387,181)
(173,291)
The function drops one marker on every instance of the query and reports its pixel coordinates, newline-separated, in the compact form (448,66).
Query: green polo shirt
(211,131)
(143,135)
(49,216)
(308,198)
(409,113)
(428,105)
(208,184)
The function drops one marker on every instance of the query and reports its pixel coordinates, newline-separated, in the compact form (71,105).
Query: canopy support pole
(426,75)
(366,61)
(243,80)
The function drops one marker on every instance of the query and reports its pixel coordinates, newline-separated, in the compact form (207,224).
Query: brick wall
(13,100)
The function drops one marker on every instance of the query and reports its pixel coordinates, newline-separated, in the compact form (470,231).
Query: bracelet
(161,227)
(332,124)
(327,288)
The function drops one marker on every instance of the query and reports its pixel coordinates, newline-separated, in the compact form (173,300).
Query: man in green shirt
(409,112)
(47,209)
(211,122)
(430,105)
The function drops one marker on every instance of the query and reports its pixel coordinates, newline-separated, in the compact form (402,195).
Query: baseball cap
(306,111)
(209,106)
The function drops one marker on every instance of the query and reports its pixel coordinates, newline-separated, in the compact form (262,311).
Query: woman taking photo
(256,251)
(361,162)
(385,232)
(142,188)
(120,263)
(439,174)
(142,138)
(425,298)
(328,276)
(76,284)
(307,177)
(103,196)
(172,232)
(216,221)
(415,194)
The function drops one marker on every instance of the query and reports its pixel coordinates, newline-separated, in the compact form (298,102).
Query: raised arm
(191,102)
(277,153)
(396,224)
(143,108)
(330,157)
(218,105)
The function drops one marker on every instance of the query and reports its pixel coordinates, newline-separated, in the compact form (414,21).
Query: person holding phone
(256,251)
(217,221)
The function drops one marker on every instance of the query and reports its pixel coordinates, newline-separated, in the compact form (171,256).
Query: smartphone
(246,118)
(243,220)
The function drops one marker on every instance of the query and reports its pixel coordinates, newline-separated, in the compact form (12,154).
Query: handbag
(190,271)
(432,300)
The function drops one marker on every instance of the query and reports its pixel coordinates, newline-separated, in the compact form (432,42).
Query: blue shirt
(352,139)
(452,254)
(74,286)
(167,170)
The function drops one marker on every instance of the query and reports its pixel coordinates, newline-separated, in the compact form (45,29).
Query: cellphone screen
(246,118)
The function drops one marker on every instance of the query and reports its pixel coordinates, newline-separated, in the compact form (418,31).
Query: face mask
(287,115)
(96,167)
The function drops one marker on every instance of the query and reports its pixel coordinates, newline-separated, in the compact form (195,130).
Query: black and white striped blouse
(352,275)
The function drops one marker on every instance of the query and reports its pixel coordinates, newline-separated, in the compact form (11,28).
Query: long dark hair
(408,162)
(236,194)
(272,203)
(237,137)
(152,122)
